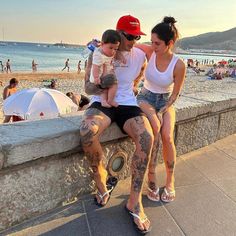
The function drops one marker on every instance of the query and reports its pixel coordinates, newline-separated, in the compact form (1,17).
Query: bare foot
(105,104)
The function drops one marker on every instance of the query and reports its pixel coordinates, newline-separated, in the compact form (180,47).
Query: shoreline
(39,76)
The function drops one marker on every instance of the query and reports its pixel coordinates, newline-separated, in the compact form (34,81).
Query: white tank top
(160,82)
(126,74)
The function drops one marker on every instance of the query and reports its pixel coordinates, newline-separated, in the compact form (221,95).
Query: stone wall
(42,164)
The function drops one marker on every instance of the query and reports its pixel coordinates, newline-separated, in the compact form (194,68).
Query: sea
(50,57)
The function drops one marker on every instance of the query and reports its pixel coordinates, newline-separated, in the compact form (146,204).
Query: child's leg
(104,98)
(111,95)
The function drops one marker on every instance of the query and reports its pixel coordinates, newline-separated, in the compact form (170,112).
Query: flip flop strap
(138,217)
(103,195)
(169,193)
(155,192)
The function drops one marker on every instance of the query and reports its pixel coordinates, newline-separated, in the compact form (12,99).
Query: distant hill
(225,40)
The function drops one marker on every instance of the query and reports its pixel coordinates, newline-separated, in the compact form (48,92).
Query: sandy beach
(74,82)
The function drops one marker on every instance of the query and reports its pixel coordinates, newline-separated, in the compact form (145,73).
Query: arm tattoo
(172,99)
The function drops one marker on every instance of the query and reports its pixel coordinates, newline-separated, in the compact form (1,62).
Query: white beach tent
(38,103)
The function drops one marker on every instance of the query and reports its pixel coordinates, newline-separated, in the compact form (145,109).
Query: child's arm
(96,74)
(97,66)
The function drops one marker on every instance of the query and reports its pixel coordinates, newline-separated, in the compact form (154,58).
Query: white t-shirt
(100,59)
(126,74)
(157,81)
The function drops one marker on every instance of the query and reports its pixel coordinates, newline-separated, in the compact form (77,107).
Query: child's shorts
(107,81)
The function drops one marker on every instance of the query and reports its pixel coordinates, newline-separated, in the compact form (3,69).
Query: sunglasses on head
(131,37)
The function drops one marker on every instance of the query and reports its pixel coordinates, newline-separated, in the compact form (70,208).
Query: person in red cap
(164,79)
(129,118)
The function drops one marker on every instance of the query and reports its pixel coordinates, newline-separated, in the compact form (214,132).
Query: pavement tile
(228,186)
(114,220)
(227,145)
(213,164)
(109,220)
(69,220)
(184,175)
(203,210)
(162,222)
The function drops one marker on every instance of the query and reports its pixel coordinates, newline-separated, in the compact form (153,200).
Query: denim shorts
(157,100)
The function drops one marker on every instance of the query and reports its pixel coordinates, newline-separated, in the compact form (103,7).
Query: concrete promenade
(205,203)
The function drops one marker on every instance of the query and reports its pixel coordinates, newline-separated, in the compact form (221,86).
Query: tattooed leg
(155,124)
(152,180)
(140,131)
(91,127)
(169,150)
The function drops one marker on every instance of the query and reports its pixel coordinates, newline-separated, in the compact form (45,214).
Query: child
(102,67)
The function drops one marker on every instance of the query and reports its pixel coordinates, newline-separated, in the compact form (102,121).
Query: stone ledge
(26,141)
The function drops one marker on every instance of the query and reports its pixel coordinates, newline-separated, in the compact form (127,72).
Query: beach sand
(73,82)
(66,82)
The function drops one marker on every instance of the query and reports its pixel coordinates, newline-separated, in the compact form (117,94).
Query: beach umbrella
(223,62)
(233,63)
(38,103)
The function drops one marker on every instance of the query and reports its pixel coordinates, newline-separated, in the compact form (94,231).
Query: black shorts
(119,114)
(83,101)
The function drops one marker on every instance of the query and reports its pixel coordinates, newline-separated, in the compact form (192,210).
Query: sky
(78,21)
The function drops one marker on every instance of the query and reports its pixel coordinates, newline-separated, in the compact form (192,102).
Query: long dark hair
(166,30)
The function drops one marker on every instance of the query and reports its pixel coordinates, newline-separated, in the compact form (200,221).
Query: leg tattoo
(171,166)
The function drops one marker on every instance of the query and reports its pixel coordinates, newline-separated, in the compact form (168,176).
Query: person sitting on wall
(7,92)
(80,100)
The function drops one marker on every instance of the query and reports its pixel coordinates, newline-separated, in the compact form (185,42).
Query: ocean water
(47,56)
(52,58)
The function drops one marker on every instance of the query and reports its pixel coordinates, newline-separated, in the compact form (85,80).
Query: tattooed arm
(179,77)
(138,79)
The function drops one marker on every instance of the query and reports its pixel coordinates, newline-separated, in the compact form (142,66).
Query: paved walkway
(205,203)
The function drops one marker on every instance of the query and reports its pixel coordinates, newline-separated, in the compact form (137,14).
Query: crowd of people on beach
(147,115)
(214,71)
(5,68)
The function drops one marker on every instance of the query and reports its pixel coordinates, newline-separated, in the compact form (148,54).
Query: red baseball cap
(130,25)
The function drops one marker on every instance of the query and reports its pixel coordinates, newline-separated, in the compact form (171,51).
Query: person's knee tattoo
(87,132)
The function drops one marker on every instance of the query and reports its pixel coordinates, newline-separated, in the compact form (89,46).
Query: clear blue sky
(77,21)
